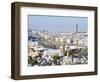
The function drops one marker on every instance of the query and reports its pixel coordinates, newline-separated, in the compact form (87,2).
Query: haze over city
(57,23)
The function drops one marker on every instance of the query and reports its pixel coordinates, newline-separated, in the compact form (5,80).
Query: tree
(84,51)
(55,56)
(32,61)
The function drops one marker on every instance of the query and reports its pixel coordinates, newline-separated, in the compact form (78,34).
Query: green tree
(55,56)
(84,51)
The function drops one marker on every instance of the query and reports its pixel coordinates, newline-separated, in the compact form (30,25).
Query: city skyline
(57,23)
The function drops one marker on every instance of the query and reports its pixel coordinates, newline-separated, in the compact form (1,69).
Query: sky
(57,23)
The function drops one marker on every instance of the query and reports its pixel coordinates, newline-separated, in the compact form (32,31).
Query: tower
(76,28)
(77,34)
(62,48)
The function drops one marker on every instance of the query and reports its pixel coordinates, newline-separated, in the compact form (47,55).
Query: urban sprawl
(57,48)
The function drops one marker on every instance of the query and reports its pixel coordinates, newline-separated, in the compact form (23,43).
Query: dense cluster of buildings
(60,44)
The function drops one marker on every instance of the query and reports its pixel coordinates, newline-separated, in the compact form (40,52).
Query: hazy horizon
(57,23)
